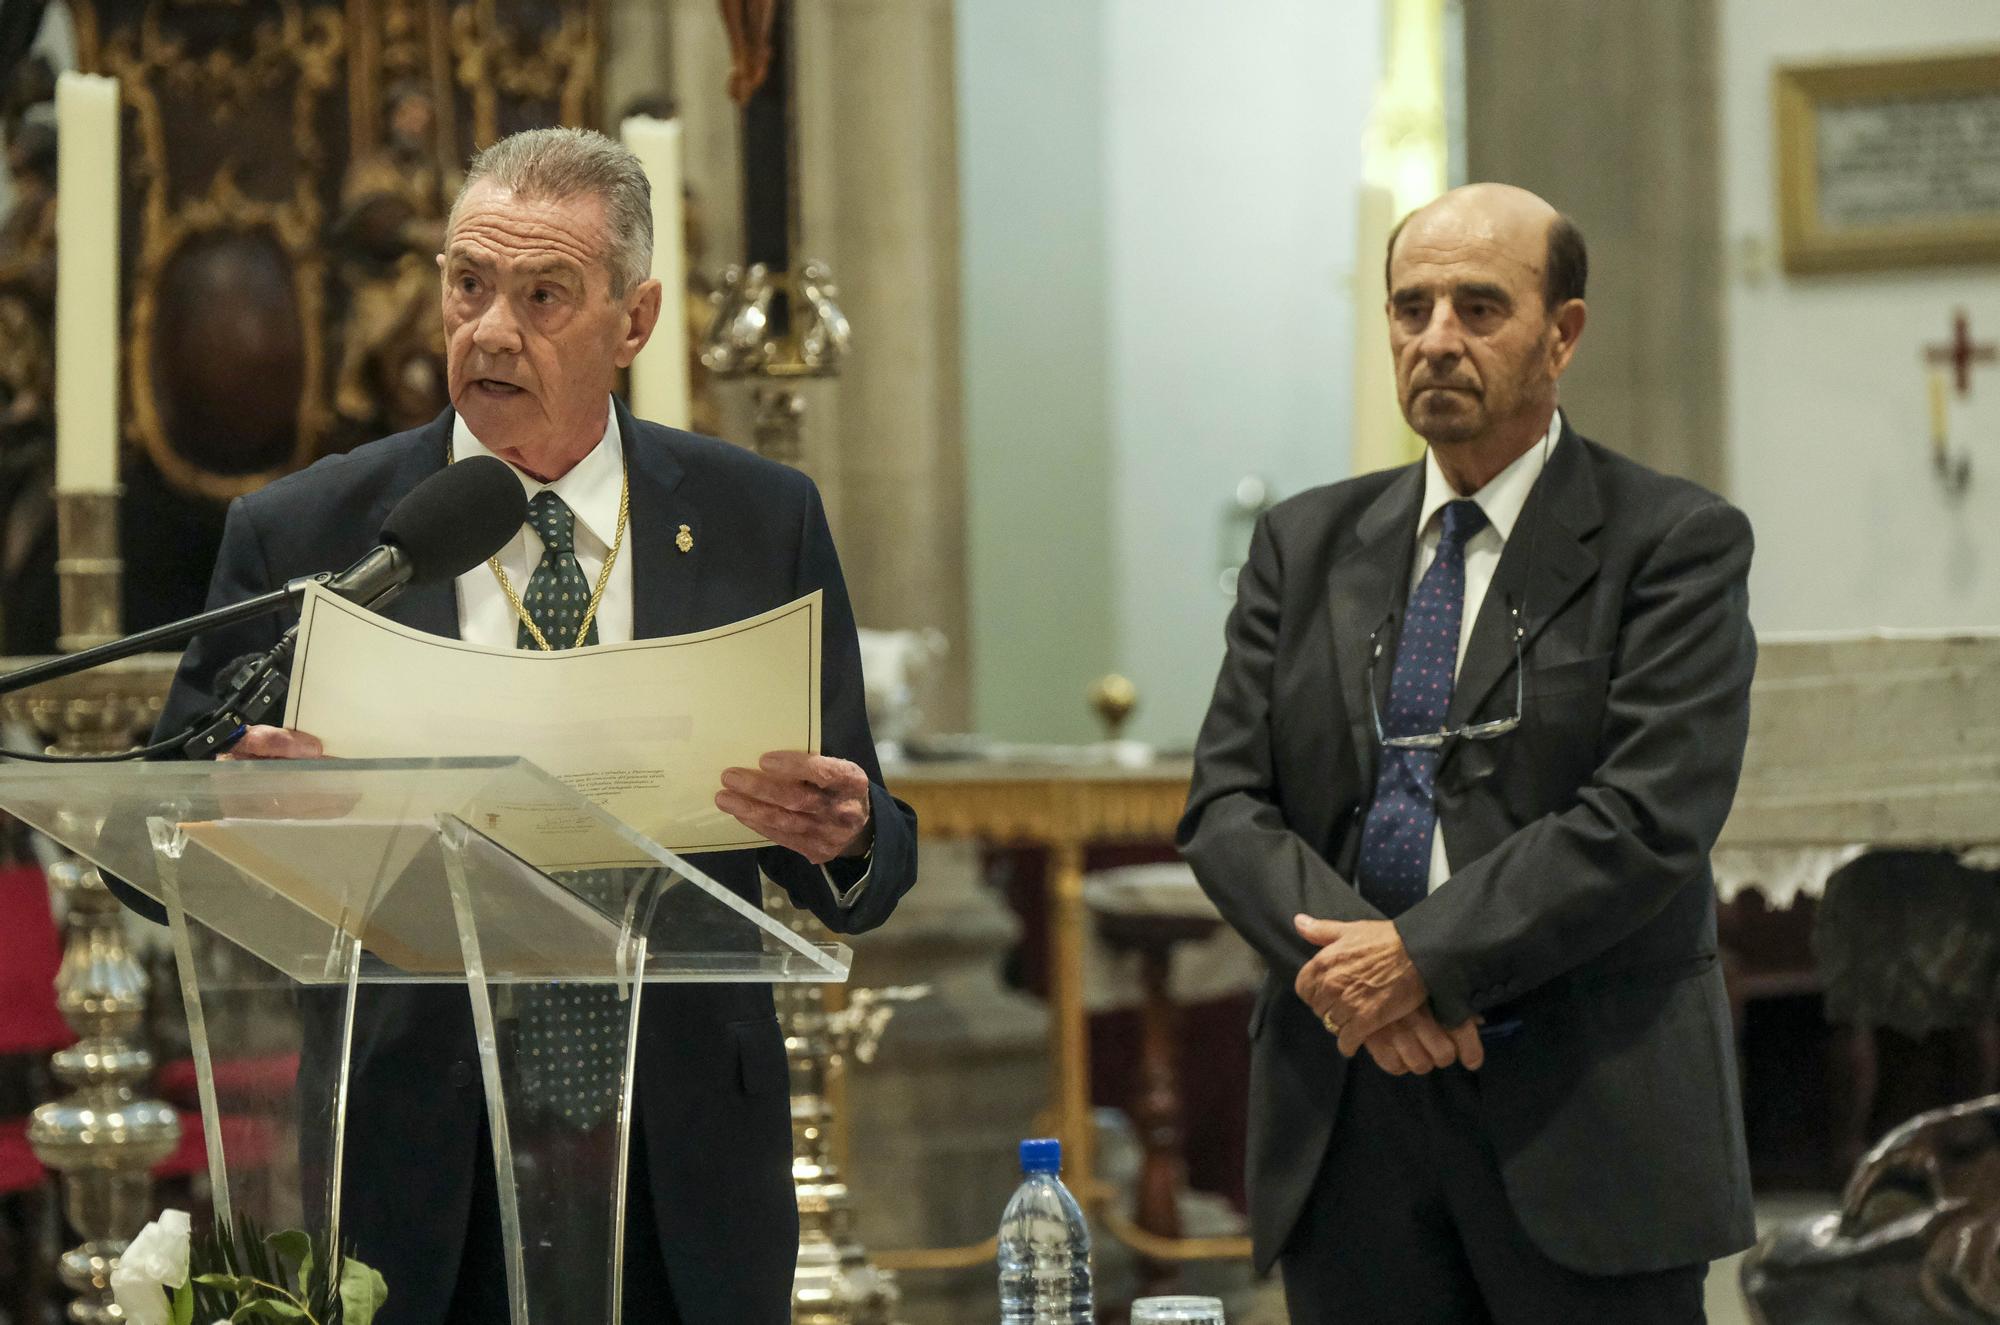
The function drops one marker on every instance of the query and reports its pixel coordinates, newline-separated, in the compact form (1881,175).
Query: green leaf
(228,1283)
(362,1292)
(184,1305)
(292,1247)
(267,1308)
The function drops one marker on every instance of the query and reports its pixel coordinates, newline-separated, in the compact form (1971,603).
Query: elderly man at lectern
(546,298)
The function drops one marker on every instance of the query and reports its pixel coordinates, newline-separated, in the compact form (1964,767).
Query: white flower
(155,1262)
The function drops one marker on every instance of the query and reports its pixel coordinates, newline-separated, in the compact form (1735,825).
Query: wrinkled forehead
(1457,245)
(499,229)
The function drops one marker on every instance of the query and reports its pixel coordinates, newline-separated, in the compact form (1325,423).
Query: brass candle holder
(826,1028)
(105,1135)
(89,572)
(835,1282)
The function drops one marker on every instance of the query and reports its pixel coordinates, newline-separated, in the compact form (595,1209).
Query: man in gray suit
(1480,721)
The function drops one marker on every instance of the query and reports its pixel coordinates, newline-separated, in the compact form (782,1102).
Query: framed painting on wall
(1889,164)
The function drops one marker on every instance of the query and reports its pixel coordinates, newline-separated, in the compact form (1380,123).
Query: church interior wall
(1828,402)
(1158,213)
(1233,152)
(1037,408)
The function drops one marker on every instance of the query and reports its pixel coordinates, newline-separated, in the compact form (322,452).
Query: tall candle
(86,283)
(660,373)
(1940,417)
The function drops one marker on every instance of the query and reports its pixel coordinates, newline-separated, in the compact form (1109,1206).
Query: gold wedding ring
(1326,1020)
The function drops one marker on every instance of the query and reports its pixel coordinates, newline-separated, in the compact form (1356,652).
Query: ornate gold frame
(312,53)
(290,44)
(1799,92)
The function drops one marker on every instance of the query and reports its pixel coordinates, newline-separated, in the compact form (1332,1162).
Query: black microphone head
(457,518)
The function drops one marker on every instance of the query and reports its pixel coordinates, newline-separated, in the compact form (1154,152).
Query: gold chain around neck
(596,594)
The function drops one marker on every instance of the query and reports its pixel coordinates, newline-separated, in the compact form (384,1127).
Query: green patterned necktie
(572,1037)
(558,593)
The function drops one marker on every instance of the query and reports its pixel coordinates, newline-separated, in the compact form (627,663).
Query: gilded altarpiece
(287,165)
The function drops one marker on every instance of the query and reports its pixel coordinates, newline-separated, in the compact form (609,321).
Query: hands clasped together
(815,805)
(1364,988)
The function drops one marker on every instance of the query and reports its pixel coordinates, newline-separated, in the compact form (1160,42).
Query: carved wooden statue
(392,223)
(751,25)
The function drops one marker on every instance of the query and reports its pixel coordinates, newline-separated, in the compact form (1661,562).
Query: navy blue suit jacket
(711,1076)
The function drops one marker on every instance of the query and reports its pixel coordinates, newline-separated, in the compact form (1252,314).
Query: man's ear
(642,314)
(1569,321)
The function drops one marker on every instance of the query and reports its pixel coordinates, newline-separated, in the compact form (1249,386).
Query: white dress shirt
(592,489)
(1501,501)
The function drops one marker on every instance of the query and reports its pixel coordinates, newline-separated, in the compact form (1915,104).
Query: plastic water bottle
(1044,1246)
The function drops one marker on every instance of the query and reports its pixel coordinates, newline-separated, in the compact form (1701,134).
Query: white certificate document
(643,729)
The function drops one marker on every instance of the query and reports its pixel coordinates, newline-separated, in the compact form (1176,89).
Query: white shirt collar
(591,487)
(1501,499)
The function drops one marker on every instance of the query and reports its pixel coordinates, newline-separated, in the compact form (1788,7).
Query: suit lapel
(1546,562)
(1367,586)
(431,608)
(663,575)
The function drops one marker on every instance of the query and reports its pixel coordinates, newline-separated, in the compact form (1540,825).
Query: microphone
(448,524)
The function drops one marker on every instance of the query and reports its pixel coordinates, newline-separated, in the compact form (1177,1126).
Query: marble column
(1610,111)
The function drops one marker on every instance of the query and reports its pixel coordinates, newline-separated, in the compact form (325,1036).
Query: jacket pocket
(1565,678)
(760,1056)
(1657,994)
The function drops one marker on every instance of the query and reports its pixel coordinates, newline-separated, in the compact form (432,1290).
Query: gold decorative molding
(290,47)
(557,67)
(1040,805)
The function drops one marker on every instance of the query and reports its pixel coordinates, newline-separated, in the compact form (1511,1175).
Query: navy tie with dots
(1395,861)
(558,594)
(572,1038)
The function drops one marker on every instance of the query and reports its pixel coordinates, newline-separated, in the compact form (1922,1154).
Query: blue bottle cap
(1041,1156)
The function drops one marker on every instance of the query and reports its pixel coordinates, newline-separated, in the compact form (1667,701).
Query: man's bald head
(1485,307)
(1509,217)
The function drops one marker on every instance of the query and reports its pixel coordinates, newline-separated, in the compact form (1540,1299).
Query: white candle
(1940,415)
(660,373)
(87,337)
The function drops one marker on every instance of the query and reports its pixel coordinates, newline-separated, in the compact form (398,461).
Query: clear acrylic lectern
(287,886)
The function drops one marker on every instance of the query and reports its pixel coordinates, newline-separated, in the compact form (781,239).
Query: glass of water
(1177,1311)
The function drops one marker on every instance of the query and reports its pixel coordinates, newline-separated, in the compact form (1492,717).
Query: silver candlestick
(835,1282)
(104,1136)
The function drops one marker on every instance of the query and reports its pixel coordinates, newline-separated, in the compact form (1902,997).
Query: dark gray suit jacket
(712,1104)
(1581,901)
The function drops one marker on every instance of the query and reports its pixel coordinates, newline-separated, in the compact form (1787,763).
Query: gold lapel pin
(684,540)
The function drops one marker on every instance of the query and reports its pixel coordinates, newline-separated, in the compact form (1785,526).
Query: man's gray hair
(554,165)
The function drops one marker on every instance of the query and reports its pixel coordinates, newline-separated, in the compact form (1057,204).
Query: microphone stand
(173,633)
